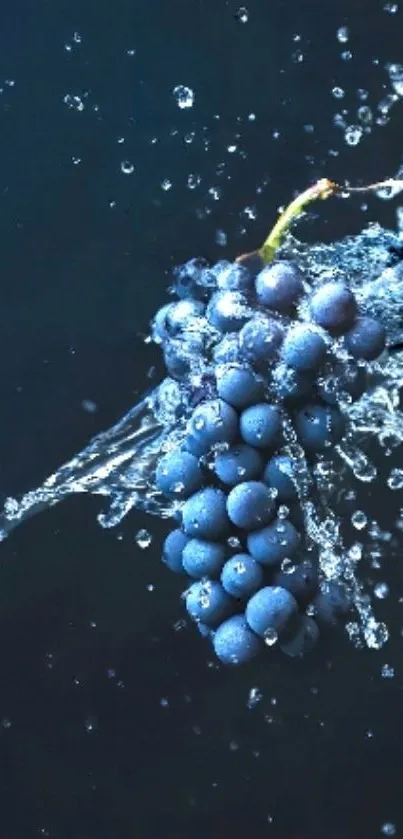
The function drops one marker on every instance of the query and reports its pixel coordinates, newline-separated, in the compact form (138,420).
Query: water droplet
(242,15)
(254,697)
(143,539)
(127,167)
(166,184)
(388,829)
(381,591)
(343,34)
(359,520)
(395,479)
(387,672)
(338,92)
(353,135)
(270,637)
(184,96)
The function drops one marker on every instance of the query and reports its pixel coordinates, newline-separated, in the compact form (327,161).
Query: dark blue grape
(180,314)
(274,543)
(227,351)
(238,385)
(260,339)
(280,474)
(366,339)
(241,576)
(331,604)
(212,422)
(269,612)
(303,639)
(178,474)
(159,328)
(207,602)
(203,559)
(279,286)
(204,515)
(345,378)
(252,261)
(177,364)
(235,643)
(174,546)
(334,307)
(261,425)
(188,279)
(235,277)
(301,581)
(237,464)
(304,348)
(292,386)
(250,505)
(319,427)
(228,311)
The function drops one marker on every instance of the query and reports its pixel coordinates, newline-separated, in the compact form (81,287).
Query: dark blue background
(87,652)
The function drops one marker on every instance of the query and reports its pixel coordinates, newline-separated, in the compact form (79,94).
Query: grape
(159,328)
(250,505)
(260,339)
(207,602)
(292,386)
(238,385)
(203,559)
(234,642)
(280,475)
(366,339)
(241,576)
(228,311)
(188,279)
(270,610)
(260,425)
(235,277)
(173,549)
(239,463)
(279,286)
(253,262)
(334,307)
(204,515)
(227,350)
(302,581)
(320,426)
(303,639)
(180,314)
(278,541)
(177,365)
(212,422)
(304,348)
(178,474)
(345,378)
(331,604)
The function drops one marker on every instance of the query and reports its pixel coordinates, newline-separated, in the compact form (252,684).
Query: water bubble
(381,591)
(353,134)
(166,184)
(242,15)
(346,55)
(184,96)
(127,167)
(359,520)
(338,92)
(143,539)
(387,672)
(388,829)
(270,637)
(395,479)
(343,34)
(193,181)
(254,697)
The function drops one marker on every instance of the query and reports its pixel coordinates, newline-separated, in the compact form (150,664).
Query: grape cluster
(266,363)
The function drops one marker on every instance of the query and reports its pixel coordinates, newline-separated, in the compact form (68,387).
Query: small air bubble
(381,591)
(353,135)
(387,672)
(388,829)
(395,479)
(242,15)
(359,520)
(166,184)
(391,8)
(127,167)
(343,34)
(184,96)
(254,697)
(346,55)
(338,92)
(143,539)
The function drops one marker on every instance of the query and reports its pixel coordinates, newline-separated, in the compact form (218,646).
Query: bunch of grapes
(266,363)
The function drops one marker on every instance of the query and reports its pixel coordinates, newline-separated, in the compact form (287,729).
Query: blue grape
(320,426)
(250,505)
(238,385)
(292,386)
(278,541)
(366,339)
(159,325)
(204,515)
(279,286)
(177,364)
(334,307)
(203,559)
(237,464)
(235,277)
(280,474)
(207,602)
(227,351)
(331,604)
(172,553)
(270,611)
(189,279)
(179,474)
(303,639)
(304,348)
(241,576)
(345,378)
(235,643)
(180,314)
(302,581)
(260,339)
(261,425)
(253,262)
(228,311)
(212,422)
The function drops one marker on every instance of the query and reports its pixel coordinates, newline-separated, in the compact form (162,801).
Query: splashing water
(119,463)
